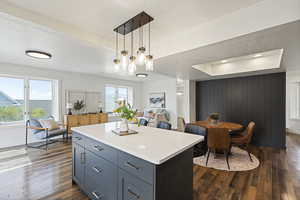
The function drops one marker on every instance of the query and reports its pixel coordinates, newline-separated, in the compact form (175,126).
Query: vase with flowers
(127,113)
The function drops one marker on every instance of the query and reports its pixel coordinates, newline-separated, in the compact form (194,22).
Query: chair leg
(47,139)
(227,155)
(248,151)
(249,155)
(207,157)
(26,141)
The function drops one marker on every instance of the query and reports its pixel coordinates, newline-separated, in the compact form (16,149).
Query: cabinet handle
(98,148)
(97,170)
(96,195)
(128,164)
(133,193)
(82,158)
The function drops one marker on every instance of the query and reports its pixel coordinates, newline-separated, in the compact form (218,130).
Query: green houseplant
(78,105)
(126,112)
(214,117)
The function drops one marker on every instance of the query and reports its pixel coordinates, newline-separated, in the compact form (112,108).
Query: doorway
(22,98)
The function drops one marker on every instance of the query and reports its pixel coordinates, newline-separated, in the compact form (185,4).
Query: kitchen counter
(154,164)
(151,144)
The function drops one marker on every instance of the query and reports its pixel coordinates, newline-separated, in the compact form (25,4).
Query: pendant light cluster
(128,62)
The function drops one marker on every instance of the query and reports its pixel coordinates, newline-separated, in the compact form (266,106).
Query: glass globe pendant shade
(132,65)
(141,56)
(149,63)
(117,64)
(124,59)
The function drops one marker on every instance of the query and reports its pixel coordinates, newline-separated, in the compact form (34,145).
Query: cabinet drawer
(72,120)
(136,166)
(101,178)
(94,118)
(103,118)
(77,138)
(83,120)
(102,150)
(131,188)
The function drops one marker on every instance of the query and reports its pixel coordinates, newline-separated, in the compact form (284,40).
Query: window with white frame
(295,100)
(114,93)
(22,98)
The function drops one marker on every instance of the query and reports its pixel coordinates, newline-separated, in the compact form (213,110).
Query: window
(11,100)
(23,98)
(40,98)
(295,101)
(115,93)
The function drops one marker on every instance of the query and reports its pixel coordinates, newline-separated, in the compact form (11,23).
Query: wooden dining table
(228,125)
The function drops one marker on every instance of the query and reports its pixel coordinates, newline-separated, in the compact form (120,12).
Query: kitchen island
(155,164)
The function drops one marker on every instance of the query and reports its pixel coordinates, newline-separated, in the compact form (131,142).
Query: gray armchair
(43,133)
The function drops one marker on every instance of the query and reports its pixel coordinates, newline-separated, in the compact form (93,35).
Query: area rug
(238,161)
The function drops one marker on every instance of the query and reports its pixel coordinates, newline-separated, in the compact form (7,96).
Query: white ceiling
(69,55)
(79,33)
(101,16)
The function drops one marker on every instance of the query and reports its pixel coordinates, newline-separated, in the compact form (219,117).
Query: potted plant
(214,117)
(126,114)
(78,105)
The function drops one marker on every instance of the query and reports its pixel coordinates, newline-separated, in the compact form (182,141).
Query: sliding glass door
(40,99)
(22,99)
(11,100)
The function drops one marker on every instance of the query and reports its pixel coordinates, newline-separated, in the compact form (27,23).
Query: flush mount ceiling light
(224,61)
(141,75)
(38,54)
(129,62)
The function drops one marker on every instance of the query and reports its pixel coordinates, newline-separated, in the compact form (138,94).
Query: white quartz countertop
(151,144)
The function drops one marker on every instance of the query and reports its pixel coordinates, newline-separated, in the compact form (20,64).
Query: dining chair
(200,149)
(244,139)
(143,122)
(218,139)
(164,125)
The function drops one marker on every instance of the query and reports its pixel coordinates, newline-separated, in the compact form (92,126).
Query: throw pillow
(35,123)
(49,123)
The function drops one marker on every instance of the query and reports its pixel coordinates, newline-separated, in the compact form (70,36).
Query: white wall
(180,105)
(72,81)
(167,85)
(186,107)
(292,124)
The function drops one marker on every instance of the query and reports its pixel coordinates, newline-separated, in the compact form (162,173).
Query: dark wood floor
(36,174)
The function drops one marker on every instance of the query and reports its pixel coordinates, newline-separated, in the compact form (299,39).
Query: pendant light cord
(117,45)
(141,36)
(124,39)
(149,38)
(131,43)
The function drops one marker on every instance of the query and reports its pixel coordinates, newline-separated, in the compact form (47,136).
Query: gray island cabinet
(154,164)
